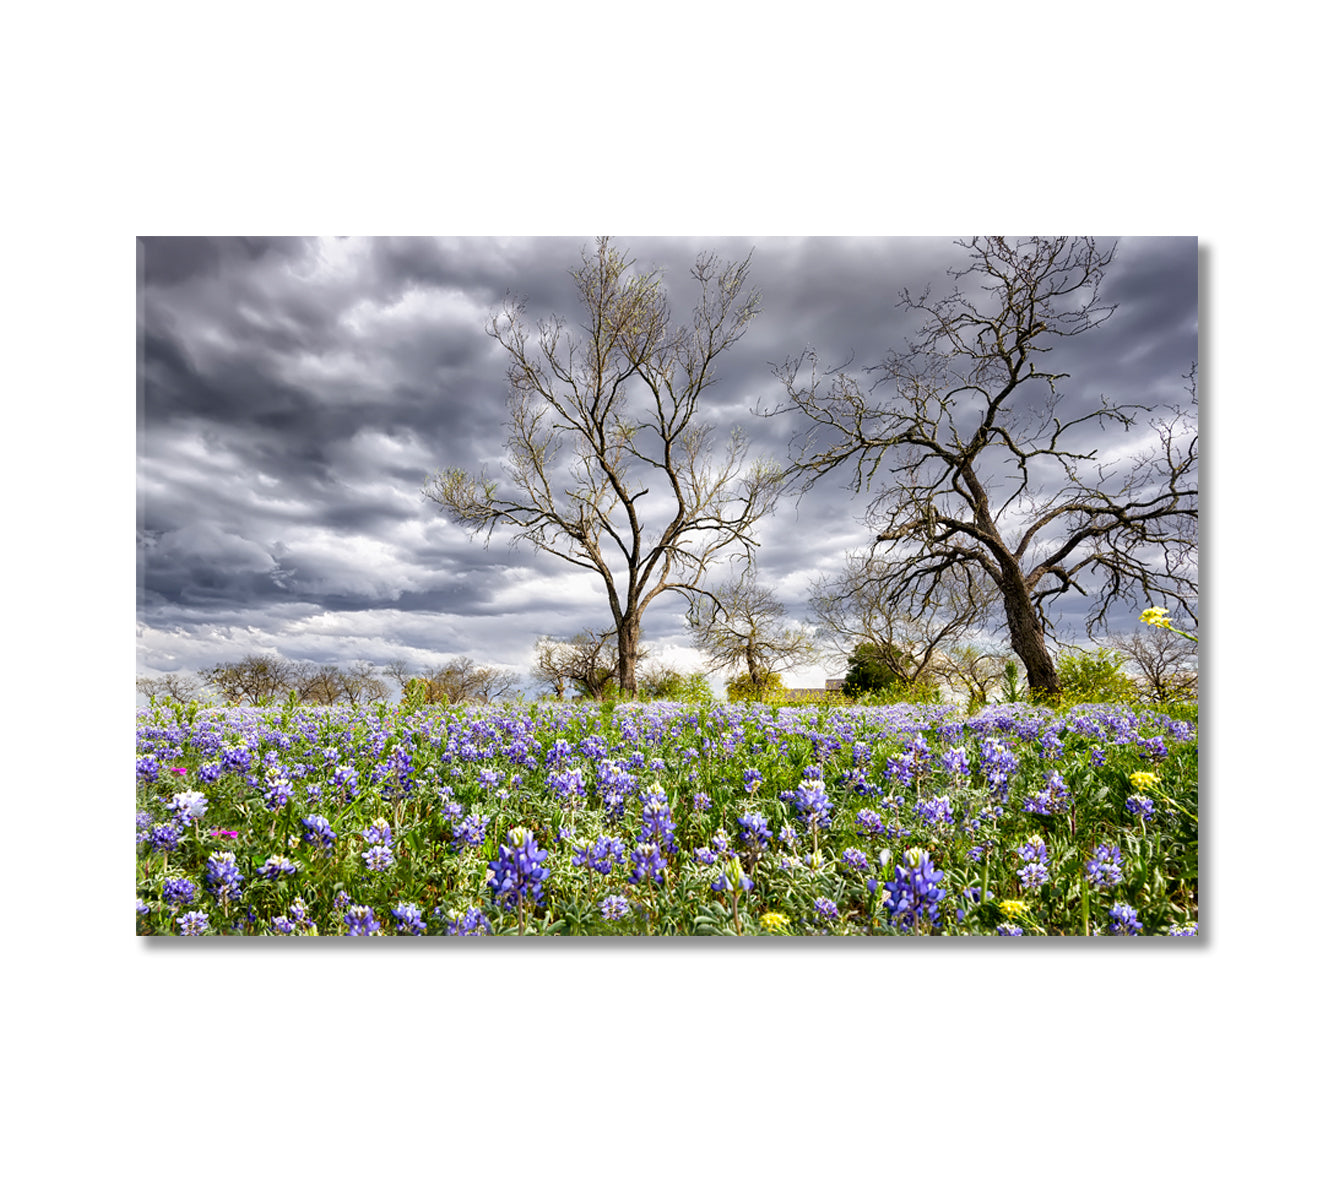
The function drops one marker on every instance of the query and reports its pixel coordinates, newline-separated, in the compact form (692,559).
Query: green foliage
(1094,678)
(671,684)
(769,690)
(902,692)
(871,669)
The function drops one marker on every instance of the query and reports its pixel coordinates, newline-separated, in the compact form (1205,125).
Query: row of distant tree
(749,638)
(582,668)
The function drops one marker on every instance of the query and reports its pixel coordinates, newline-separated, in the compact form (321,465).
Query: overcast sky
(295,393)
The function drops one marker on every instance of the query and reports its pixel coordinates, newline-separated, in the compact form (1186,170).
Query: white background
(220,1069)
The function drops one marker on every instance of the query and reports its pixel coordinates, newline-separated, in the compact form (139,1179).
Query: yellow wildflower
(1156,616)
(774,923)
(1143,779)
(1013,908)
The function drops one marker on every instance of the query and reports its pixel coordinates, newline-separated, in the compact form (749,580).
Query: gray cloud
(296,393)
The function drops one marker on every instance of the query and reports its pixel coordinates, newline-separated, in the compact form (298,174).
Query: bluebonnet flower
(192,924)
(936,811)
(751,780)
(900,771)
(163,838)
(600,855)
(277,789)
(858,782)
(733,878)
(299,915)
(177,892)
(409,919)
(451,810)
(1104,868)
(1033,850)
(142,820)
(647,862)
(276,865)
(613,784)
(998,764)
(282,925)
(341,900)
(236,759)
(380,832)
(701,802)
(593,747)
(856,859)
(955,760)
(1153,748)
(518,871)
(812,802)
(706,856)
(1125,920)
(754,830)
(360,921)
(488,778)
(1053,799)
(319,833)
(1189,929)
(1006,929)
(567,784)
(188,806)
(378,858)
(1138,805)
(658,825)
(826,909)
(912,897)
(615,907)
(472,923)
(471,831)
(222,877)
(1033,875)
(345,781)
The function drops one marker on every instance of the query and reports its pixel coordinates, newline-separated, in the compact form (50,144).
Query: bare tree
(972,424)
(255,679)
(743,625)
(862,605)
(317,683)
(586,662)
(610,467)
(181,686)
(460,680)
(360,684)
(976,672)
(1165,664)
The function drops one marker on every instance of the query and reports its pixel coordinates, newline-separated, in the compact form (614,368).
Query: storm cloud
(296,393)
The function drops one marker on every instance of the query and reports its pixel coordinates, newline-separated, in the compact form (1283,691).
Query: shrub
(1094,678)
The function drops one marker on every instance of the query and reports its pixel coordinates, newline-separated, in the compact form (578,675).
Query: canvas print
(789,587)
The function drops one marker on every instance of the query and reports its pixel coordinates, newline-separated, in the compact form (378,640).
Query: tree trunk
(1026,639)
(627,651)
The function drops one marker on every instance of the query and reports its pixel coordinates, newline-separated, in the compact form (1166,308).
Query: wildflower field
(663,818)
